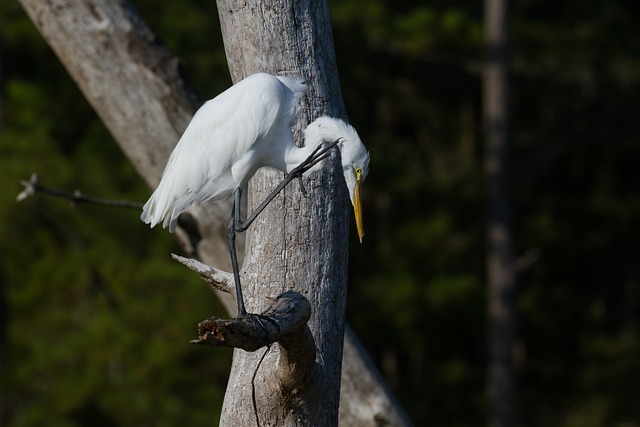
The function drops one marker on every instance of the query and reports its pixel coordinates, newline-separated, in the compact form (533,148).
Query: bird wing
(220,134)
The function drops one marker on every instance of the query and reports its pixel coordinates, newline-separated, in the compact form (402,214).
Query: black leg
(318,155)
(236,225)
(231,240)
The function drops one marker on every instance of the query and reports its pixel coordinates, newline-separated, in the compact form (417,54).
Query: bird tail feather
(158,207)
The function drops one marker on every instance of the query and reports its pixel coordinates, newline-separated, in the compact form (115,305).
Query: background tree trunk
(501,274)
(137,88)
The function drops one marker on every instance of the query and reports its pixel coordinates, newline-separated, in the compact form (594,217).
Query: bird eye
(358,173)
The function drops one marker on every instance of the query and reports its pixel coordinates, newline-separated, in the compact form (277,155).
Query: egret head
(355,157)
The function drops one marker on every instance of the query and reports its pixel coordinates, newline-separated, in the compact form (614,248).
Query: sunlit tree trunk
(297,243)
(501,274)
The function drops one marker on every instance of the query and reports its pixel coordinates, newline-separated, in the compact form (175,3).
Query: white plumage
(241,130)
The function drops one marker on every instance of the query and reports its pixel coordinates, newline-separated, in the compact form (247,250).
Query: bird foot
(260,319)
(247,331)
(319,154)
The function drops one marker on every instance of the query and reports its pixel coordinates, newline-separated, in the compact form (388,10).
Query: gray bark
(135,85)
(501,273)
(297,243)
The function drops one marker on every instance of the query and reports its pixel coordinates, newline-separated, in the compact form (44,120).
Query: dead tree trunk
(135,85)
(501,274)
(297,243)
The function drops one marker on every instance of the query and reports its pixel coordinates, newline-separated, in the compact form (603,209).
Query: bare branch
(219,280)
(33,186)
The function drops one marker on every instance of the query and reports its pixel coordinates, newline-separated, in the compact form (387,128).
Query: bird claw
(318,155)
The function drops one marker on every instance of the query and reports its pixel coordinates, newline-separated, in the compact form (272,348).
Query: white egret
(241,130)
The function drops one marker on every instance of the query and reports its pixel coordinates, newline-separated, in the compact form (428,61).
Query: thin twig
(33,186)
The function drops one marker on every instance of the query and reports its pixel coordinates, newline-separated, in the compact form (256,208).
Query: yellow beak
(357,205)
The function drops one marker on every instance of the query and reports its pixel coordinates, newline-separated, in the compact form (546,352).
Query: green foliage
(98,315)
(97,311)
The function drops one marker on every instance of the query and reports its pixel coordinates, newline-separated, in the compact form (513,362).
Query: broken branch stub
(286,317)
(219,280)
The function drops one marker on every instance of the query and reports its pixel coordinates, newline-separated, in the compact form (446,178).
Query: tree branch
(33,186)
(286,317)
(281,322)
(218,280)
(187,232)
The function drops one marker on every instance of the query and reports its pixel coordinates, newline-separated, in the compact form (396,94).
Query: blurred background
(95,318)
